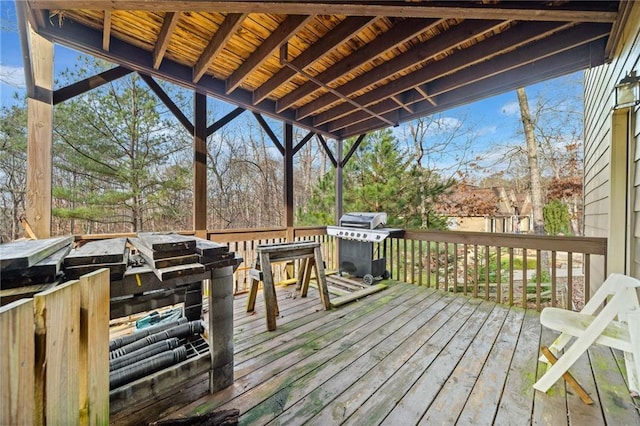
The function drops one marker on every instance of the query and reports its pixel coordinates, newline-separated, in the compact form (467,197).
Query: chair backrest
(622,286)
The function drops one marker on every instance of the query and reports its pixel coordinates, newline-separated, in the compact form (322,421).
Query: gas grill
(358,235)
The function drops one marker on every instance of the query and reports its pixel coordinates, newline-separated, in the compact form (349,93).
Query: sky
(495,121)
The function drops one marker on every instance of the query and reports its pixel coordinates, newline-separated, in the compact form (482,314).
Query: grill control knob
(358,235)
(377,237)
(364,235)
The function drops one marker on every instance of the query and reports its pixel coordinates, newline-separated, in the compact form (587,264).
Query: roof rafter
(343,31)
(168,25)
(403,31)
(228,27)
(536,51)
(430,49)
(554,66)
(89,40)
(520,35)
(284,31)
(462,10)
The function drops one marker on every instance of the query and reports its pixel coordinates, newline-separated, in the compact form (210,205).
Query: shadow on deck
(408,355)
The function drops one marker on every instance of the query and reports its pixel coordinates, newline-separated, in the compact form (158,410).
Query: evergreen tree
(113,154)
(381,176)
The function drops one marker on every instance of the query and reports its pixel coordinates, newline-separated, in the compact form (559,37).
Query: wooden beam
(88,40)
(355,146)
(168,25)
(267,129)
(224,120)
(288,178)
(90,83)
(303,142)
(466,75)
(508,41)
(39,70)
(402,32)
(226,30)
(200,163)
(554,66)
(106,30)
(432,48)
(281,34)
(327,150)
(598,12)
(401,104)
(341,32)
(425,95)
(166,99)
(618,28)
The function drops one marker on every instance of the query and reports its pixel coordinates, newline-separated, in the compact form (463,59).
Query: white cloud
(512,108)
(12,76)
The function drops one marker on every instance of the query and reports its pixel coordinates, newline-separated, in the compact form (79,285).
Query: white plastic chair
(616,325)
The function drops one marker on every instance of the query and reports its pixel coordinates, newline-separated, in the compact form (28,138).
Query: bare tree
(537,200)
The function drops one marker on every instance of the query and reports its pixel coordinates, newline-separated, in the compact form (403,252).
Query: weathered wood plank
(339,301)
(172,272)
(287,375)
(57,319)
(379,360)
(373,345)
(398,372)
(579,413)
(116,270)
(433,368)
(550,408)
(314,349)
(517,398)
(318,322)
(484,399)
(40,272)
(26,253)
(453,395)
(305,360)
(98,252)
(167,241)
(94,348)
(617,405)
(12,294)
(17,363)
(206,248)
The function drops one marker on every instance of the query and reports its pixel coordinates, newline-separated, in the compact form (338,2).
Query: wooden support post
(200,164)
(221,328)
(94,348)
(321,278)
(57,352)
(288,180)
(305,276)
(269,291)
(39,133)
(339,145)
(17,363)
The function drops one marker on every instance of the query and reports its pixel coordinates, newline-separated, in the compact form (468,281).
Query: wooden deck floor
(408,355)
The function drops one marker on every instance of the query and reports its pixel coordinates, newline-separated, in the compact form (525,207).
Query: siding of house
(598,133)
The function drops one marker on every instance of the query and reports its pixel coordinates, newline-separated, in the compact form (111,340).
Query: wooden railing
(491,266)
(515,269)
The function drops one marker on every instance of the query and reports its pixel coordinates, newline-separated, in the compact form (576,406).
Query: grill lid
(363,220)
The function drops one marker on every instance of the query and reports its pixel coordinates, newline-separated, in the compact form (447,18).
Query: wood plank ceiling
(338,68)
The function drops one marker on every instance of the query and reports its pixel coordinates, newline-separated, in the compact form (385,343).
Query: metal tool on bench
(359,235)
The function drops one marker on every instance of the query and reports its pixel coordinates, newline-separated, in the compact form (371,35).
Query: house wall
(610,157)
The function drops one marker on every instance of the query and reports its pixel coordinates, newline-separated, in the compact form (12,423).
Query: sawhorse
(267,254)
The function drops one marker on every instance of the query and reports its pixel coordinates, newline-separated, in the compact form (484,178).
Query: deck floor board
(407,355)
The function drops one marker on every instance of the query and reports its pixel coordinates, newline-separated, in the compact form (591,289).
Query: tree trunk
(537,202)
